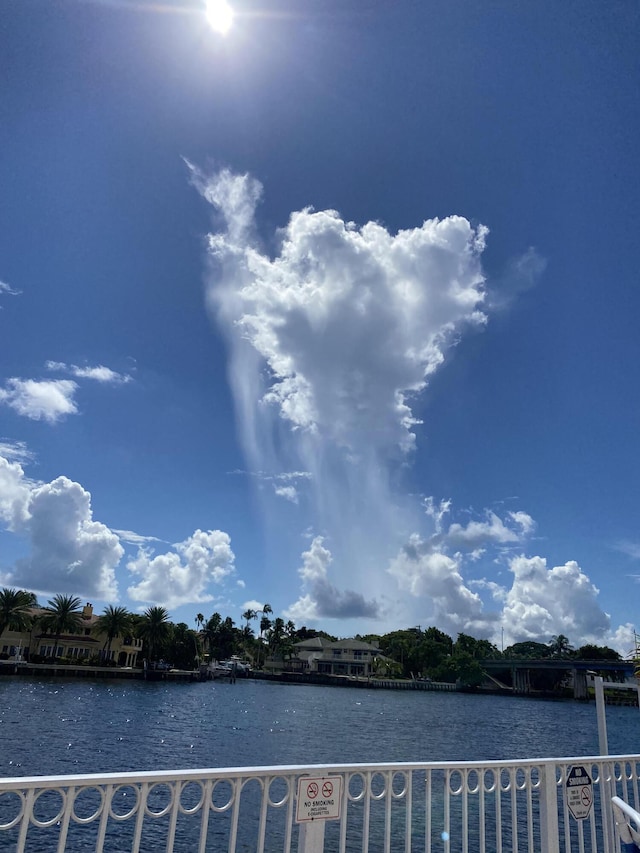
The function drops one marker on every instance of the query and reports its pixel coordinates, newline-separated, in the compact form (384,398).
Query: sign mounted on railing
(319,798)
(579,792)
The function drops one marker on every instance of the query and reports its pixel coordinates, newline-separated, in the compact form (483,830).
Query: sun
(219,15)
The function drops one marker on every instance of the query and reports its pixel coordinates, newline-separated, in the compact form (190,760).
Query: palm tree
(114,622)
(276,635)
(560,647)
(154,627)
(211,633)
(265,624)
(227,635)
(198,631)
(15,605)
(62,615)
(249,614)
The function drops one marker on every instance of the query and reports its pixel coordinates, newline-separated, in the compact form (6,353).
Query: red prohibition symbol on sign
(327,789)
(312,790)
(585,796)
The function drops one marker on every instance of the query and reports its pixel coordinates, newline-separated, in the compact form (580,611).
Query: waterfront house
(83,644)
(340,657)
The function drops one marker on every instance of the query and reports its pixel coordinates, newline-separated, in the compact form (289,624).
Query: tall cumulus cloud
(333,334)
(331,338)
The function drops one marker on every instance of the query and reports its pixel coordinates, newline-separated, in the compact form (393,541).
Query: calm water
(63,726)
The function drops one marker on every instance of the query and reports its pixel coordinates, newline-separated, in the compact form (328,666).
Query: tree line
(214,638)
(433,654)
(411,652)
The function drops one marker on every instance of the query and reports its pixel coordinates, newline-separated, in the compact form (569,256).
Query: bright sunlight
(219,15)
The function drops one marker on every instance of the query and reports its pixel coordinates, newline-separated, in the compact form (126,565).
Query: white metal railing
(627,823)
(454,807)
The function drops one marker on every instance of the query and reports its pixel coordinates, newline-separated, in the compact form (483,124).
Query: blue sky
(336,311)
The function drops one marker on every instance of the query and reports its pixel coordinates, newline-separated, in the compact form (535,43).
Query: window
(337,653)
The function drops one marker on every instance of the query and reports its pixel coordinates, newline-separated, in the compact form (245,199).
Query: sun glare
(219,15)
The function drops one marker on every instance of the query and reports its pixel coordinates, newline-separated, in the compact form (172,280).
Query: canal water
(58,726)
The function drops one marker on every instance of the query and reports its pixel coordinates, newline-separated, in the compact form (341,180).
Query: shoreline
(43,670)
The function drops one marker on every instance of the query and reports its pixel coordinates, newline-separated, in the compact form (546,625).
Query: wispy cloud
(284,484)
(631,549)
(5,289)
(521,274)
(132,538)
(16,451)
(98,373)
(50,400)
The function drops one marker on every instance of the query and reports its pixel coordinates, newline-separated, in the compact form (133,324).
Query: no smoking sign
(579,792)
(318,799)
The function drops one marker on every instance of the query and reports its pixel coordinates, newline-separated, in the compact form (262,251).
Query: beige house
(342,657)
(82,644)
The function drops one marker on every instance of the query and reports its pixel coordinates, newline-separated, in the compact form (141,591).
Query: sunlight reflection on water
(71,726)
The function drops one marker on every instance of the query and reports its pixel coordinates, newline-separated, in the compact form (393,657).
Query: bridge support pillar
(580,684)
(521,680)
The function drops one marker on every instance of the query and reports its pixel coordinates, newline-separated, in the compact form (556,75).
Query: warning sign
(319,799)
(579,792)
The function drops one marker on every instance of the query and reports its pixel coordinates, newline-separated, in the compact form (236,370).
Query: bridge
(523,676)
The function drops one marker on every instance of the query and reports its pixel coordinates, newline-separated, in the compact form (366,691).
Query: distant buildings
(84,644)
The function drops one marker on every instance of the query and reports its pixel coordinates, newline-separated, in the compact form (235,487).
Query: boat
(237,665)
(218,669)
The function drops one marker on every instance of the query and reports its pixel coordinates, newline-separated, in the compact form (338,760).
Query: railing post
(601,714)
(549,831)
(311,838)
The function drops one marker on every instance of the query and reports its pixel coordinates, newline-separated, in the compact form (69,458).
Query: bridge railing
(454,807)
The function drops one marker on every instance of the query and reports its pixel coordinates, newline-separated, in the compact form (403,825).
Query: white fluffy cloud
(99,373)
(182,576)
(562,600)
(538,603)
(47,399)
(69,551)
(350,320)
(289,493)
(15,489)
(424,570)
(323,599)
(52,400)
(492,530)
